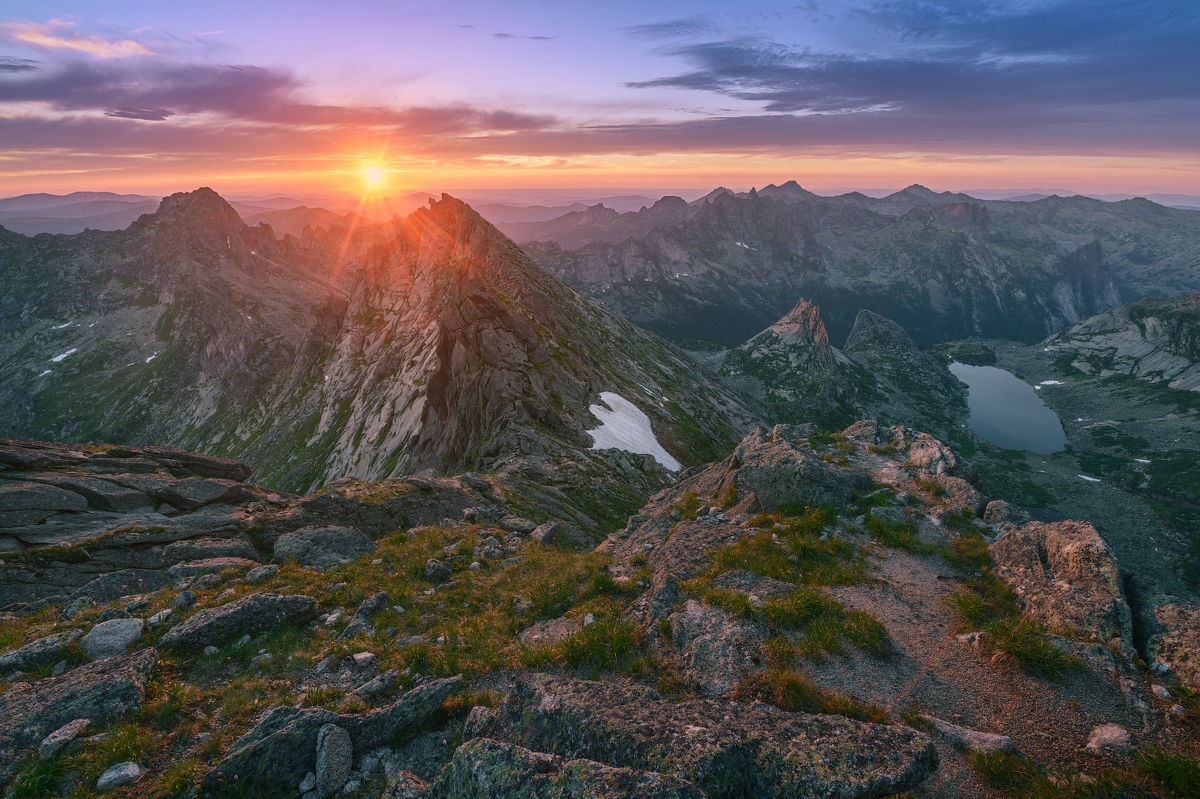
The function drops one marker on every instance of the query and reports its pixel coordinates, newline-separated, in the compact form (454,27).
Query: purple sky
(156,96)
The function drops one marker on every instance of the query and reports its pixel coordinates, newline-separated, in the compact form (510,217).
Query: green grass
(792,691)
(1153,773)
(1176,773)
(1025,641)
(898,534)
(39,779)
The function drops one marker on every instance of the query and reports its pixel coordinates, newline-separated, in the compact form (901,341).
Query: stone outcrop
(321,547)
(111,638)
(1065,576)
(101,692)
(1179,645)
(282,747)
(44,651)
(484,768)
(249,615)
(725,750)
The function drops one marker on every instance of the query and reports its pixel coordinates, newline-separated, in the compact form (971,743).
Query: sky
(333,95)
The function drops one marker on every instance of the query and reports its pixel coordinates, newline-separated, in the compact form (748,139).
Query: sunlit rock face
(431,342)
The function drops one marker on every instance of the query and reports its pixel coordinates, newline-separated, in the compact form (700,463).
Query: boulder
(780,474)
(335,755)
(484,768)
(42,652)
(1065,576)
(549,631)
(322,547)
(196,492)
(118,775)
(716,651)
(125,582)
(102,692)
(58,740)
(282,747)
(725,748)
(111,638)
(969,739)
(249,615)
(1179,645)
(195,568)
(203,548)
(999,513)
(560,534)
(437,570)
(1110,739)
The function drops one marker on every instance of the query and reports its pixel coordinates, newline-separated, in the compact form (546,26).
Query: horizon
(249,99)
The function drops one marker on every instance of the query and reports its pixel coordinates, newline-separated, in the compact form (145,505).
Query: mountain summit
(431,342)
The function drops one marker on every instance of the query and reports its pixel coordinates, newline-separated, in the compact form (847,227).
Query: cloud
(938,56)
(11,64)
(149,114)
(670,29)
(519,36)
(59,35)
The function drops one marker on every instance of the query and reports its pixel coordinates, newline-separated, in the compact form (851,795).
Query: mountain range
(503,541)
(942,265)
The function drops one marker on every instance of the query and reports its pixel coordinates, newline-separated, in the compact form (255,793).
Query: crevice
(1143,625)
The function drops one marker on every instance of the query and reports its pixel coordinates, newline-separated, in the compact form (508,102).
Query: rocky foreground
(817,615)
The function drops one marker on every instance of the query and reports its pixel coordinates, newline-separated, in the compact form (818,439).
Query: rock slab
(102,692)
(111,638)
(282,748)
(249,615)
(484,768)
(725,749)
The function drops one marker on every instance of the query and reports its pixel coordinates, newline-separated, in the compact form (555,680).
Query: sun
(374,176)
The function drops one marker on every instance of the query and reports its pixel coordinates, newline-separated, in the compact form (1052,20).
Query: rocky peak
(872,332)
(803,323)
(791,191)
(200,209)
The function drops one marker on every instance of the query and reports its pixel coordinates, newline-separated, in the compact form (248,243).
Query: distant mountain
(73,213)
(600,224)
(428,343)
(1156,340)
(880,374)
(294,220)
(942,265)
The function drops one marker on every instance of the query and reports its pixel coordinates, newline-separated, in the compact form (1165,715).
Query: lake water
(1008,412)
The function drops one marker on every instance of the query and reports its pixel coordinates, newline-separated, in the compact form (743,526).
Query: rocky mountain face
(880,374)
(812,615)
(943,266)
(1156,340)
(428,343)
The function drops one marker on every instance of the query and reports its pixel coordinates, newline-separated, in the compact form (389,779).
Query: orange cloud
(55,35)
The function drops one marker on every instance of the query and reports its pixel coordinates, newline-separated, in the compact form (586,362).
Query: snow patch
(1050,383)
(60,356)
(1141,460)
(1089,479)
(623,426)
(152,357)
(60,327)
(43,374)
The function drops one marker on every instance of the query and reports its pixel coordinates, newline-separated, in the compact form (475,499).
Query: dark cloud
(519,36)
(670,29)
(960,55)
(12,64)
(155,91)
(148,114)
